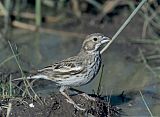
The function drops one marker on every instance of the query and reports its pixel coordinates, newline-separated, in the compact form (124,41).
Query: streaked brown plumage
(78,70)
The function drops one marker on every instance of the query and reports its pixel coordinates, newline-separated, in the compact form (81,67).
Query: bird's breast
(93,68)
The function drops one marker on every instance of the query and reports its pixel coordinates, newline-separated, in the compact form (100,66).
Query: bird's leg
(69,99)
(83,94)
(87,96)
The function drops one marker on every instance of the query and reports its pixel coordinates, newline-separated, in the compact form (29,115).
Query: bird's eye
(95,39)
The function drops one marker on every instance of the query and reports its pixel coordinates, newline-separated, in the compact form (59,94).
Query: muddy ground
(56,106)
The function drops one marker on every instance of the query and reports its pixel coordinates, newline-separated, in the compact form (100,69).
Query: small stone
(31,105)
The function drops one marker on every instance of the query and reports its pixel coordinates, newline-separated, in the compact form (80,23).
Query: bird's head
(94,41)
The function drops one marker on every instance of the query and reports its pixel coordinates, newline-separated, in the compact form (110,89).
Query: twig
(124,24)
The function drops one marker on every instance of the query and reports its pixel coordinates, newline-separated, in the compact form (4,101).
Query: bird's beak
(105,40)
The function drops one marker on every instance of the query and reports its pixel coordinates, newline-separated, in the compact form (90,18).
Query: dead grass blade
(124,24)
(146,104)
(109,5)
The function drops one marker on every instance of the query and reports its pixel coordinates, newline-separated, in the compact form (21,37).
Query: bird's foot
(87,96)
(75,105)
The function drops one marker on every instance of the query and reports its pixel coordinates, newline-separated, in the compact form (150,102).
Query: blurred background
(41,32)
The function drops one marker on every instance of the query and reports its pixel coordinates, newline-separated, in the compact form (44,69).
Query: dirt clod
(57,106)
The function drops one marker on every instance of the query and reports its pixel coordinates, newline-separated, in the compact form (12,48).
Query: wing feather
(67,67)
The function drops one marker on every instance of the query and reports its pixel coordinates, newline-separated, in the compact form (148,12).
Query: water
(122,71)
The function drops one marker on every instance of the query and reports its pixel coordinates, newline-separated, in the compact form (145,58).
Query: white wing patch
(68,69)
(38,77)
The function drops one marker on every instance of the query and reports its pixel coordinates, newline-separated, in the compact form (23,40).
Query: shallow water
(122,71)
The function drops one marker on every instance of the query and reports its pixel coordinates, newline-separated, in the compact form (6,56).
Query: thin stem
(3,9)
(8,59)
(146,104)
(100,82)
(124,24)
(38,13)
(6,17)
(23,76)
(146,64)
(10,86)
(95,3)
(9,109)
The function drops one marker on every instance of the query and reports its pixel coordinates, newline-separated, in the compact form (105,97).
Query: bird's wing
(60,70)
(67,67)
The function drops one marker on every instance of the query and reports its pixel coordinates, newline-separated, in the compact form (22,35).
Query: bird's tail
(32,77)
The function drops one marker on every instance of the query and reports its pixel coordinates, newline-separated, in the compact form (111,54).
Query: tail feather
(33,77)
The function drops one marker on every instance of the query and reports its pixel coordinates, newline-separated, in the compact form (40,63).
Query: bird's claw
(79,108)
(88,97)
(75,105)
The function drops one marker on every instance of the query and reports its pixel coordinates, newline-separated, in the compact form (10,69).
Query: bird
(77,70)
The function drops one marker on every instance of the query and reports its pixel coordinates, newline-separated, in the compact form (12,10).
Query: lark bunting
(77,70)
